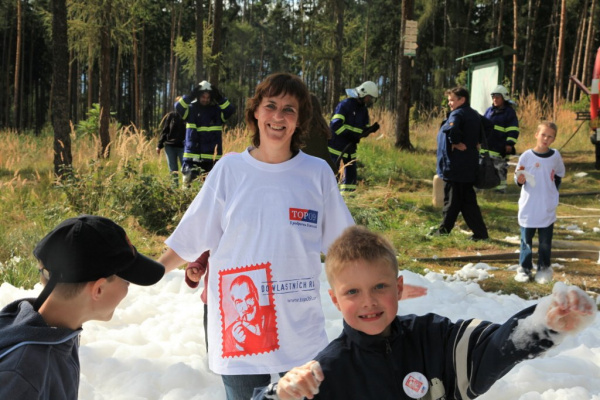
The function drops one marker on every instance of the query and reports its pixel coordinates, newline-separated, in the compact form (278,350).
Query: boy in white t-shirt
(539,173)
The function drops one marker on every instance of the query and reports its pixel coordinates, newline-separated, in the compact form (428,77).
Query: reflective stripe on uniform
(204,128)
(186,106)
(491,152)
(339,153)
(198,157)
(348,127)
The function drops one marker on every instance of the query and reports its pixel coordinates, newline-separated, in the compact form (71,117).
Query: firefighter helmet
(204,86)
(368,88)
(501,90)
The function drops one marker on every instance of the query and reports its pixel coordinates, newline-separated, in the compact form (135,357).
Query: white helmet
(205,85)
(502,91)
(368,88)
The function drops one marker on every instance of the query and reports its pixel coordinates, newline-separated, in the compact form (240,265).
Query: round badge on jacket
(415,385)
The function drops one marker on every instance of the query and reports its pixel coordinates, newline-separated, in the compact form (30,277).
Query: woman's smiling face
(277,120)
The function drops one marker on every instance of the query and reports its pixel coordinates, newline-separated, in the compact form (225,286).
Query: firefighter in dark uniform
(502,131)
(204,111)
(349,124)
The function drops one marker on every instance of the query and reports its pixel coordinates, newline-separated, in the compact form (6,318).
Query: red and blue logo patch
(304,215)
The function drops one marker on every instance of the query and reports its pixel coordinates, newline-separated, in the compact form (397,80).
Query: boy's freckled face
(367,294)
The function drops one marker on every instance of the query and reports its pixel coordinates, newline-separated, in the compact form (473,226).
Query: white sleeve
(200,228)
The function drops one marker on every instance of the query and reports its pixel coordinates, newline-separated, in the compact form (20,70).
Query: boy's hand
(411,292)
(570,310)
(301,382)
(521,179)
(193,274)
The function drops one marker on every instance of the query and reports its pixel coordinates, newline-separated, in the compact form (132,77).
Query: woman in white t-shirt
(265,215)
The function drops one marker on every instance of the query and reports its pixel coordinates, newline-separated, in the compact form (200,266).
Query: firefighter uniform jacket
(349,120)
(204,128)
(502,128)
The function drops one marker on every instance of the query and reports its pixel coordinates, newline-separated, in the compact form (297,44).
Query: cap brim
(143,271)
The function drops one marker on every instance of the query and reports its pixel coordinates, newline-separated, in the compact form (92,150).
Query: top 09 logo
(299,214)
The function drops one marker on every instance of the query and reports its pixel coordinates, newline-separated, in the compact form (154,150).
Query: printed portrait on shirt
(248,314)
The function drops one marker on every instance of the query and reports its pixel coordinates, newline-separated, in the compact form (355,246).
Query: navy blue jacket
(204,128)
(349,120)
(37,362)
(458,360)
(502,129)
(462,125)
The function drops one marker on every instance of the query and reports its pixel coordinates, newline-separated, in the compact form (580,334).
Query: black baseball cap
(87,248)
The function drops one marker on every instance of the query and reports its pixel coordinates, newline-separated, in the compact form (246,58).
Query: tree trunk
(467,31)
(90,73)
(403,86)
(543,66)
(558,81)
(499,26)
(513,80)
(118,83)
(216,44)
(136,81)
(199,40)
(336,61)
(589,51)
(105,81)
(366,46)
(173,90)
(60,70)
(576,59)
(528,39)
(17,113)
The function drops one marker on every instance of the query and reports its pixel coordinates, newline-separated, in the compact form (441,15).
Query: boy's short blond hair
(548,124)
(358,243)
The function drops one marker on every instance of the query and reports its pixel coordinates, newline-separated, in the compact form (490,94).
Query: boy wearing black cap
(86,264)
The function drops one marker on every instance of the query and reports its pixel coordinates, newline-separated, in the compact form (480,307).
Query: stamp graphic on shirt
(248,319)
(304,217)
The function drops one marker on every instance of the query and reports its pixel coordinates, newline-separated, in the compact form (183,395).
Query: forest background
(132,57)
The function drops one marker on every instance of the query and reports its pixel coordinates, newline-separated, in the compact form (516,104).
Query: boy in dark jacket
(381,355)
(457,164)
(86,264)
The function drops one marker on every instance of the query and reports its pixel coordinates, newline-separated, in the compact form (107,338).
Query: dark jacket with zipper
(459,360)
(462,125)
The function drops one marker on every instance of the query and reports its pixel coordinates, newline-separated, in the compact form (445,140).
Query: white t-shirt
(269,224)
(537,204)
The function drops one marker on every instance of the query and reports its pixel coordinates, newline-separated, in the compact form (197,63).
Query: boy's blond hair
(548,124)
(358,243)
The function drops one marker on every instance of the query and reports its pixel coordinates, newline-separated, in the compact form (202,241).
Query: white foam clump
(477,272)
